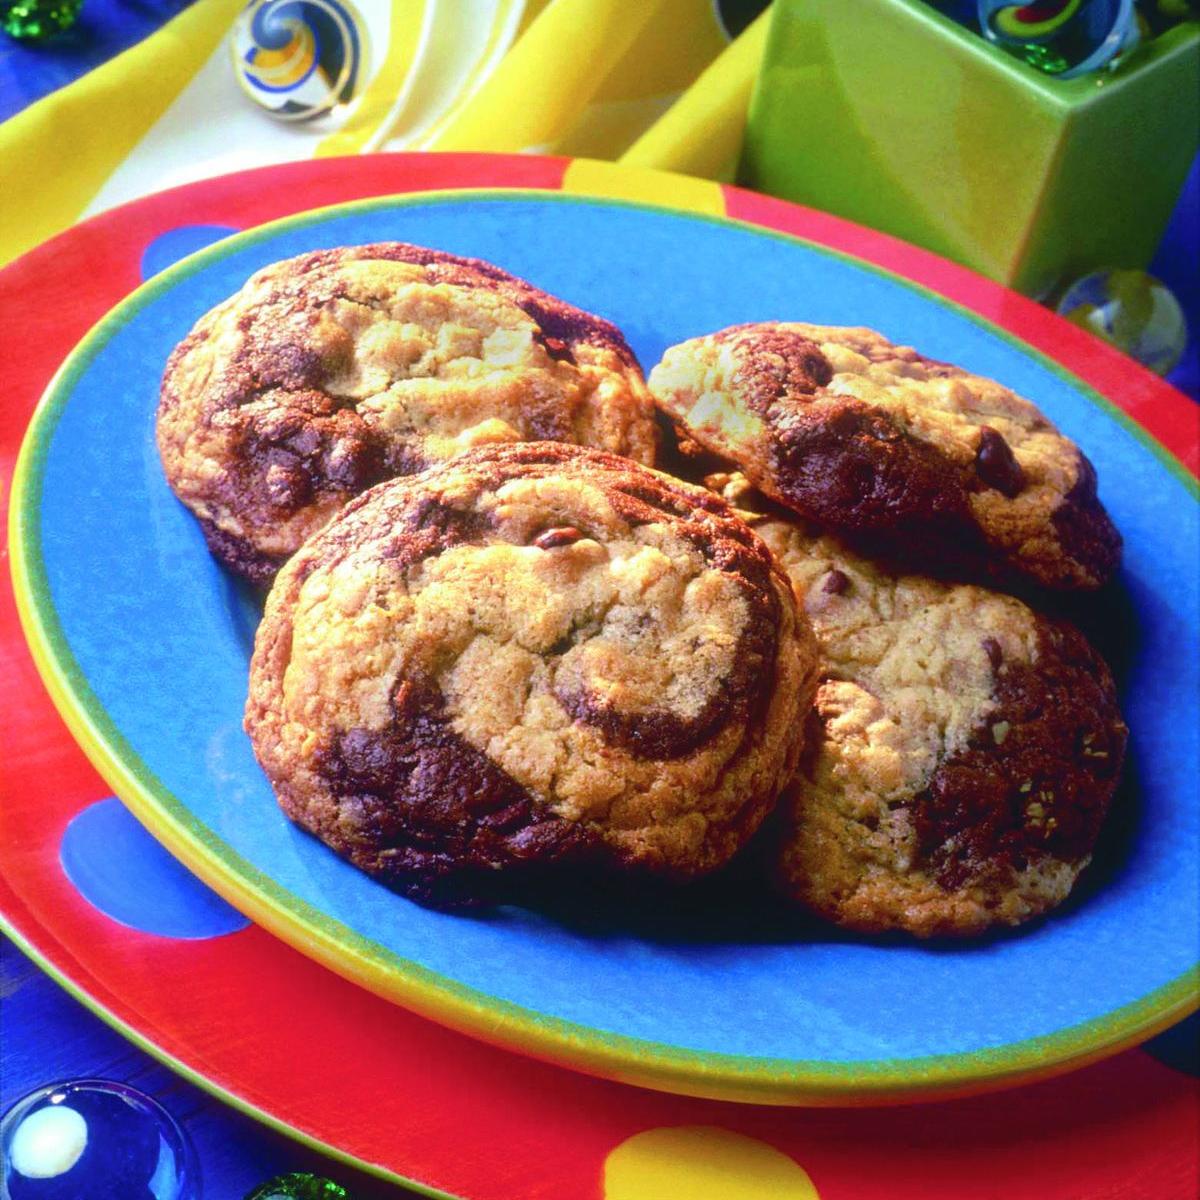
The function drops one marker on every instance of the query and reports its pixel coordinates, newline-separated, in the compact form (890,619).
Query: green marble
(32,20)
(298,1186)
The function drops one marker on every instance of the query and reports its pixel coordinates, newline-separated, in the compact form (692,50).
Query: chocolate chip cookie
(332,371)
(913,459)
(963,752)
(532,656)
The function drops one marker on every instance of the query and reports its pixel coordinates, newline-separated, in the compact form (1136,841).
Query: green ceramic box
(891,114)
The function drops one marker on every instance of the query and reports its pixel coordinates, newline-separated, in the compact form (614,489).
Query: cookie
(330,372)
(910,458)
(963,752)
(532,656)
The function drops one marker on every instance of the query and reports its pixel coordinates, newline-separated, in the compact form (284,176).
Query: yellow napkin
(656,83)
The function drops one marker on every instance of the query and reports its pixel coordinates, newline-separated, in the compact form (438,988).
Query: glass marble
(93,1139)
(1133,311)
(298,59)
(1062,37)
(298,1186)
(32,20)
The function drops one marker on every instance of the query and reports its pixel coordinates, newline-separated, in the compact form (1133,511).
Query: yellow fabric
(426,97)
(649,83)
(530,102)
(677,41)
(58,152)
(701,134)
(404,38)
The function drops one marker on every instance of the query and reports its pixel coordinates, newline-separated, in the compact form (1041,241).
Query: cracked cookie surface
(332,371)
(913,459)
(533,655)
(963,749)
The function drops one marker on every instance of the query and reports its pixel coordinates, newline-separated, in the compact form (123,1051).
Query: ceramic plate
(144,642)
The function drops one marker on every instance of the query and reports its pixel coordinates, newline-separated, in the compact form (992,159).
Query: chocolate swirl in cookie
(530,655)
(1036,774)
(335,370)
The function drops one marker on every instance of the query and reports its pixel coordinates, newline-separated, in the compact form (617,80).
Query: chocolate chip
(836,582)
(996,465)
(995,654)
(557,349)
(564,535)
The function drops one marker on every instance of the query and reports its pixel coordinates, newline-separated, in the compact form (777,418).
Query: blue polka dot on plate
(121,870)
(168,248)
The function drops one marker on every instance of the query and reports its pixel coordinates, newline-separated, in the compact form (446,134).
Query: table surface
(46,1035)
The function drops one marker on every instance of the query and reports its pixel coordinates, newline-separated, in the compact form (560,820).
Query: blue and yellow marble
(299,58)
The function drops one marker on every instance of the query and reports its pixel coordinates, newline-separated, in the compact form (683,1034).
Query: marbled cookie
(963,753)
(332,371)
(922,462)
(532,655)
